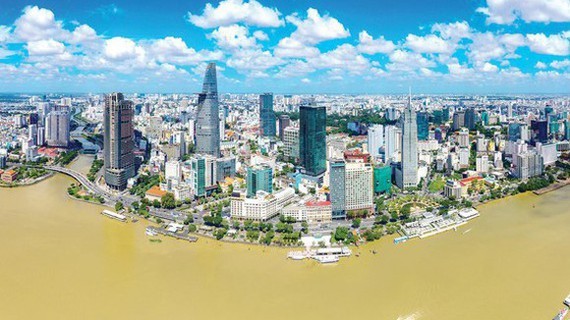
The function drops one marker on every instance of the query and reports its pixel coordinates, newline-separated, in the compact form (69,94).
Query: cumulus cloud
(233,37)
(540,65)
(38,24)
(83,34)
(45,47)
(406,61)
(560,64)
(429,44)
(230,12)
(316,28)
(556,44)
(175,51)
(455,31)
(4,33)
(344,57)
(507,11)
(119,48)
(292,48)
(369,45)
(253,62)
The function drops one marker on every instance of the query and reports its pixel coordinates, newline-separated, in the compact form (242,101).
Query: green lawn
(436,185)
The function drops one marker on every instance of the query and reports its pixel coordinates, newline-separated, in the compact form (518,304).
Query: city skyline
(484,47)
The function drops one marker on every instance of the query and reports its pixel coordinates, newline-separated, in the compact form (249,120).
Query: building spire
(410,97)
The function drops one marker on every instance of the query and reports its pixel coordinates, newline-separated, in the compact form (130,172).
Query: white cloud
(4,33)
(556,44)
(486,46)
(344,57)
(253,62)
(235,11)
(233,37)
(45,48)
(369,45)
(316,28)
(260,35)
(306,80)
(454,31)
(38,24)
(119,48)
(291,48)
(560,64)
(488,67)
(507,11)
(83,34)
(406,61)
(429,44)
(540,65)
(4,53)
(175,51)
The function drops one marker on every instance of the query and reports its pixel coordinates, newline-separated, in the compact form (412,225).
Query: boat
(561,314)
(114,215)
(150,232)
(297,255)
(567,300)
(326,259)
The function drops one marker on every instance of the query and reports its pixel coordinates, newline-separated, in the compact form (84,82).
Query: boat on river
(567,300)
(150,232)
(327,258)
(561,315)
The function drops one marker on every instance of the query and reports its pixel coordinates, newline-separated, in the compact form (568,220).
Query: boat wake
(464,232)
(413,316)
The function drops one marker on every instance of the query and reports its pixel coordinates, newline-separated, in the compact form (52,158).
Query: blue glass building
(267,116)
(313,139)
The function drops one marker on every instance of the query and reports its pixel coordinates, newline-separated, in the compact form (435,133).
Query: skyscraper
(284,122)
(375,139)
(470,119)
(259,178)
(208,114)
(407,175)
(423,125)
(266,115)
(57,129)
(118,141)
(313,139)
(337,168)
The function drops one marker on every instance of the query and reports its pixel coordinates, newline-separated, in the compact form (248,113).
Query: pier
(178,236)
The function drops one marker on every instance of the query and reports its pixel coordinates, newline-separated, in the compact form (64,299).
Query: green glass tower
(382,179)
(313,139)
(259,178)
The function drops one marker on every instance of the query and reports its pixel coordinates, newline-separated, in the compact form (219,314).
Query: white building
(375,139)
(261,208)
(359,186)
(311,211)
(463,137)
(482,164)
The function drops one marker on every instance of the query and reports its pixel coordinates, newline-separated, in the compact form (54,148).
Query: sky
(292,46)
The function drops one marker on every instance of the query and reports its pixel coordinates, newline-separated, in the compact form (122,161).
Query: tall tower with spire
(208,115)
(407,174)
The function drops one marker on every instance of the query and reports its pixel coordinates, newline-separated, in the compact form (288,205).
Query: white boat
(567,300)
(150,232)
(561,314)
(298,255)
(326,259)
(114,215)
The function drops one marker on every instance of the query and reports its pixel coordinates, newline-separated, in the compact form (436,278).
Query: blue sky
(293,46)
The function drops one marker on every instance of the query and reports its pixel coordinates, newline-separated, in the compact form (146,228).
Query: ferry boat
(298,255)
(561,314)
(567,300)
(150,232)
(326,258)
(114,215)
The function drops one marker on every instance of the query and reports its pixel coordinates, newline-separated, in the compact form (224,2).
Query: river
(62,260)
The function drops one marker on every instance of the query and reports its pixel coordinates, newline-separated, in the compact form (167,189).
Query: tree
(135,205)
(119,206)
(305,227)
(341,233)
(167,201)
(356,223)
(189,219)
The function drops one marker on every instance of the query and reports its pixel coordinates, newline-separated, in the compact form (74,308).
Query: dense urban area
(289,169)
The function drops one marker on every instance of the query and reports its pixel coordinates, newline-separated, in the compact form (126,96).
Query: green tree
(356,223)
(119,206)
(167,201)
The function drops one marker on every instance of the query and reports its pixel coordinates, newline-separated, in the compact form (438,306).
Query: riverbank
(26,183)
(552,187)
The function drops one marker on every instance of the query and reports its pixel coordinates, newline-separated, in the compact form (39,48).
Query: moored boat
(561,314)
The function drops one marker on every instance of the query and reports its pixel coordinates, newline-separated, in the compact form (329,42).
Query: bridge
(79,177)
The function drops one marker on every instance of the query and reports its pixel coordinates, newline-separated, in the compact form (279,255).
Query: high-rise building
(208,115)
(359,186)
(266,115)
(458,120)
(313,139)
(118,141)
(445,114)
(57,129)
(407,175)
(567,130)
(539,130)
(482,164)
(392,143)
(470,119)
(337,188)
(382,179)
(203,174)
(284,122)
(463,137)
(375,139)
(437,116)
(259,178)
(291,142)
(423,125)
(33,133)
(528,164)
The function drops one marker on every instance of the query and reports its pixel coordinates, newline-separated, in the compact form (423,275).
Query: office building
(423,125)
(118,141)
(291,143)
(259,178)
(337,188)
(375,139)
(407,175)
(208,115)
(359,186)
(313,139)
(284,122)
(266,115)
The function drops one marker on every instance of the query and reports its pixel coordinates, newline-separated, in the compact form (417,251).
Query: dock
(174,235)
(114,215)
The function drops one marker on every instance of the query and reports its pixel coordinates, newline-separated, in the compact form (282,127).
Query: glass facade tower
(313,139)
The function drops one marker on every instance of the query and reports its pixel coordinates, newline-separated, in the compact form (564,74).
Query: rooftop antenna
(410,96)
